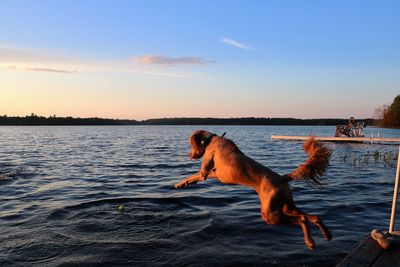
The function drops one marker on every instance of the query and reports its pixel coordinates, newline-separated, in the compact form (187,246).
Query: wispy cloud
(170,61)
(50,70)
(39,60)
(40,69)
(234,43)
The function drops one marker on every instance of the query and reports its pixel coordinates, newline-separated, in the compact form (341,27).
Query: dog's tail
(316,164)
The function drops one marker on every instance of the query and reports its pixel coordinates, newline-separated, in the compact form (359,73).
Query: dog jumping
(223,160)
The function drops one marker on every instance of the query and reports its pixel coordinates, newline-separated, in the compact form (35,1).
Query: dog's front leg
(195,178)
(206,170)
(190,180)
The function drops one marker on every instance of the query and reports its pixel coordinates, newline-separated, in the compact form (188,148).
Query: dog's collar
(205,141)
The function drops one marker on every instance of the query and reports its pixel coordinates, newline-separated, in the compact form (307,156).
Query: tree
(390,115)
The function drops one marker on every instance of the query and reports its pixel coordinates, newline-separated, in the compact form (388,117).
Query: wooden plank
(337,139)
(362,256)
(389,258)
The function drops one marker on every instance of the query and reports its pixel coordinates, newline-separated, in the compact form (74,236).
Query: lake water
(61,189)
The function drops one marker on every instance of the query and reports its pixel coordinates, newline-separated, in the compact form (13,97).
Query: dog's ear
(197,142)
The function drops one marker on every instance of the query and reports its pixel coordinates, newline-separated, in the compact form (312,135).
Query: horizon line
(184,117)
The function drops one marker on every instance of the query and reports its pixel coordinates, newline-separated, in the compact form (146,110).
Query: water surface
(60,189)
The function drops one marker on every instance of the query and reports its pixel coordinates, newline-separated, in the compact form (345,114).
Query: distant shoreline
(34,120)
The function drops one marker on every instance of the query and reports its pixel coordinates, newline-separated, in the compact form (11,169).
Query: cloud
(234,43)
(41,69)
(39,60)
(170,61)
(50,70)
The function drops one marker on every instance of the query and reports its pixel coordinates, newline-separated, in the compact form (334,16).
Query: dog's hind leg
(318,222)
(301,220)
(311,218)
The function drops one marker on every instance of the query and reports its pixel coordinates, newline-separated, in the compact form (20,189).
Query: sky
(154,59)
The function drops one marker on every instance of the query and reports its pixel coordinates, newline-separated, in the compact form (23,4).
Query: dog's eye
(202,142)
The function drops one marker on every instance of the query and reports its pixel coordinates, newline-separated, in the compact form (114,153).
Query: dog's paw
(180,185)
(310,245)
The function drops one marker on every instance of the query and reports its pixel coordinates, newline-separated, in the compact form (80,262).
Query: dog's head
(199,141)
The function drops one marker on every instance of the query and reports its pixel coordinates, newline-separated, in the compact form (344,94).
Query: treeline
(53,120)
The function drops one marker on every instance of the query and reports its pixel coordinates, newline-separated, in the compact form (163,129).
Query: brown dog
(223,160)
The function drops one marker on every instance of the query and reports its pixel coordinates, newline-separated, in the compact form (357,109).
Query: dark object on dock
(386,239)
(352,129)
(369,253)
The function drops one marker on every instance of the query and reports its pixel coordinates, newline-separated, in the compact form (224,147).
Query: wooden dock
(369,253)
(370,140)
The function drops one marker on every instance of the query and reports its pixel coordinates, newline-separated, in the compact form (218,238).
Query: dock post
(396,190)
